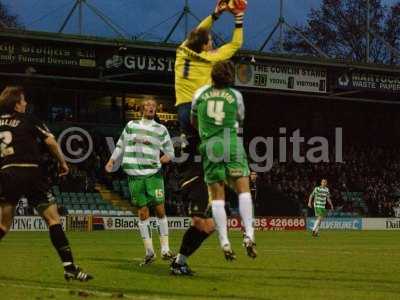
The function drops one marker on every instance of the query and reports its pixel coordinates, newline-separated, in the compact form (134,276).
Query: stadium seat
(74,200)
(104,212)
(103,207)
(116,186)
(97,197)
(87,212)
(56,190)
(66,201)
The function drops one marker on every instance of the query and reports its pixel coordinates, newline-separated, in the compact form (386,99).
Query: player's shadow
(78,286)
(110,260)
(153,269)
(331,272)
(367,281)
(233,267)
(161,272)
(351,283)
(372,284)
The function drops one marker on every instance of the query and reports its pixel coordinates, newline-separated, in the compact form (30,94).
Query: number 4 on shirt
(215,110)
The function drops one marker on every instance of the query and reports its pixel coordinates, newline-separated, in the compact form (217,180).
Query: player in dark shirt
(20,156)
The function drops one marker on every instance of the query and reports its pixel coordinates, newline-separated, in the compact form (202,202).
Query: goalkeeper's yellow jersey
(193,70)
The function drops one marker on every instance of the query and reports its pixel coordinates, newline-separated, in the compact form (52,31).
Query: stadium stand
(366,184)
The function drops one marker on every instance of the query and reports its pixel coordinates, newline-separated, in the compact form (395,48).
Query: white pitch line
(77,290)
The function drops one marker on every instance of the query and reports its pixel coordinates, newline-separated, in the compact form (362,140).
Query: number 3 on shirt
(215,110)
(5,141)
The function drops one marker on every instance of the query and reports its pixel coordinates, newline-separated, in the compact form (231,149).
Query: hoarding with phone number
(272,223)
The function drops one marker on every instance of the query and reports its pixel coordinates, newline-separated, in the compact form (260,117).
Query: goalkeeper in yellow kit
(195,58)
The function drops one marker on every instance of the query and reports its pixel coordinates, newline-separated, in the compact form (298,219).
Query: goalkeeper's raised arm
(196,55)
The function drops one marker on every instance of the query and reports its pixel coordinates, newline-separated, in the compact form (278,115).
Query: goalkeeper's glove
(221,6)
(238,8)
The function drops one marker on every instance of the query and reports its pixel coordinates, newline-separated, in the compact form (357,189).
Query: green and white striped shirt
(140,145)
(321,195)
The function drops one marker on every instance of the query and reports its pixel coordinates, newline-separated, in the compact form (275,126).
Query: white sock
(181,259)
(145,233)
(316,225)
(221,222)
(246,213)
(163,229)
(163,225)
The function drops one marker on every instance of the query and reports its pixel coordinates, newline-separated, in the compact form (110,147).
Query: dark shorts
(194,189)
(185,125)
(195,192)
(25,181)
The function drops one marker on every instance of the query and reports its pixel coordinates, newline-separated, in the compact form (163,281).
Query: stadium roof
(291,58)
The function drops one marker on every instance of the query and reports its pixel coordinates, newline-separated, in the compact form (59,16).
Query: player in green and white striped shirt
(321,195)
(139,146)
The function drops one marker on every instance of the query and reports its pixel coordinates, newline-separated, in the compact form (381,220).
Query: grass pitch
(291,265)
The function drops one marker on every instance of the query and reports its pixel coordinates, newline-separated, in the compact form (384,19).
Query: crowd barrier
(129,223)
(381,224)
(272,223)
(35,223)
(88,223)
(337,223)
